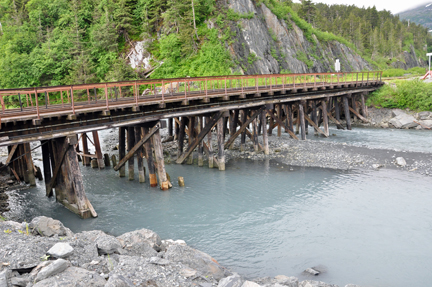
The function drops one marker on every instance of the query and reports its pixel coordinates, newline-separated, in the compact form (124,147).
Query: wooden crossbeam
(243,127)
(358,115)
(250,135)
(86,155)
(136,147)
(333,119)
(59,163)
(315,126)
(282,125)
(277,124)
(12,152)
(200,137)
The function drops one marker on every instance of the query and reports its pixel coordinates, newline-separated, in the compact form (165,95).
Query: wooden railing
(36,100)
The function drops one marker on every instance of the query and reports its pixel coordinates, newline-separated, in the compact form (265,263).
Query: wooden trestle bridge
(193,108)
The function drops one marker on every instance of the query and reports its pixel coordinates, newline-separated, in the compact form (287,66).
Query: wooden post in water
(289,113)
(46,165)
(264,132)
(67,178)
(314,114)
(29,160)
(84,141)
(157,143)
(191,127)
(271,123)
(150,160)
(210,145)
(130,145)
(200,144)
(363,106)
(233,125)
(122,149)
(302,120)
(255,134)
(337,110)
(99,155)
(181,136)
(325,117)
(279,115)
(220,137)
(243,134)
(347,112)
(354,106)
(139,153)
(225,127)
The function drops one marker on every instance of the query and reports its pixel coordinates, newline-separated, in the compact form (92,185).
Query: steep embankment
(258,41)
(279,45)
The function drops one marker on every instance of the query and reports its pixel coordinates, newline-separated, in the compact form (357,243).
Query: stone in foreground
(400,161)
(54,268)
(231,281)
(60,250)
(46,226)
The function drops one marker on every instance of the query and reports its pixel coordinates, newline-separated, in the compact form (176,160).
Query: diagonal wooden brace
(11,153)
(200,137)
(358,115)
(278,120)
(315,126)
(243,127)
(136,147)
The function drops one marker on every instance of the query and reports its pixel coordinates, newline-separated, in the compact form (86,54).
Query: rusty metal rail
(87,97)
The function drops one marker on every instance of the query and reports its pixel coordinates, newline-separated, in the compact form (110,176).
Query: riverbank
(46,253)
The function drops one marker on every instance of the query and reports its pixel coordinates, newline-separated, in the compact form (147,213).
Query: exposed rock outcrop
(279,46)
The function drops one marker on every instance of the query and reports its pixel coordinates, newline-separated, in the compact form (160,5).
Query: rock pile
(45,253)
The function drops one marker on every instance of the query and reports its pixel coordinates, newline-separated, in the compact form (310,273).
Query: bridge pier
(65,176)
(19,156)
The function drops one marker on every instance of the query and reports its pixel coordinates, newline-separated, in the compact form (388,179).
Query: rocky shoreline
(46,253)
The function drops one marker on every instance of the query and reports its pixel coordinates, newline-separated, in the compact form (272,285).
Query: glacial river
(371,228)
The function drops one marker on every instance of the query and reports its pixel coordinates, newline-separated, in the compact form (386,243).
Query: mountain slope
(420,15)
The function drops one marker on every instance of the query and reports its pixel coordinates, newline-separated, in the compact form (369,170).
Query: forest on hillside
(55,42)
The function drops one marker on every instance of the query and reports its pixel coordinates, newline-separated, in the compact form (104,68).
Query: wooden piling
(191,128)
(122,149)
(150,160)
(337,110)
(289,113)
(139,154)
(130,145)
(220,137)
(363,106)
(157,143)
(29,160)
(243,134)
(46,166)
(200,144)
(302,121)
(107,160)
(314,115)
(347,112)
(271,123)
(99,156)
(264,132)
(176,128)
(182,131)
(233,125)
(255,135)
(325,117)
(84,141)
(170,127)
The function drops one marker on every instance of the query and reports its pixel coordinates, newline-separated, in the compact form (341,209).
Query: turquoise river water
(371,228)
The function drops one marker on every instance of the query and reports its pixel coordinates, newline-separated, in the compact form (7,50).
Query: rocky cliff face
(266,45)
(410,60)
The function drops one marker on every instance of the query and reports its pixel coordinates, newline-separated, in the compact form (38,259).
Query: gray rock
(139,236)
(397,112)
(47,226)
(250,284)
(60,250)
(73,277)
(310,283)
(287,281)
(352,285)
(118,281)
(18,281)
(107,245)
(403,121)
(54,268)
(4,278)
(231,281)
(400,161)
(426,123)
(195,259)
(423,115)
(377,165)
(312,271)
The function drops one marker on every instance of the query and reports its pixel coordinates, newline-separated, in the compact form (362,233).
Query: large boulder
(4,278)
(426,123)
(72,277)
(106,244)
(60,250)
(231,281)
(52,269)
(403,121)
(129,239)
(287,281)
(197,260)
(47,226)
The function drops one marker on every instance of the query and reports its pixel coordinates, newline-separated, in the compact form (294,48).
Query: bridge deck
(38,120)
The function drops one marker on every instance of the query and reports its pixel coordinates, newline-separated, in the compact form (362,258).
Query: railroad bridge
(62,117)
